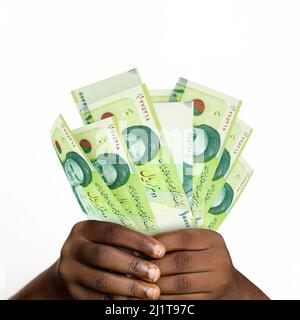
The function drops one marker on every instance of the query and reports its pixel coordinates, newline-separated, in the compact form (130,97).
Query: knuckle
(218,239)
(133,289)
(100,255)
(61,270)
(100,283)
(81,251)
(134,265)
(142,243)
(63,273)
(96,255)
(182,284)
(77,227)
(65,250)
(181,260)
(187,236)
(113,231)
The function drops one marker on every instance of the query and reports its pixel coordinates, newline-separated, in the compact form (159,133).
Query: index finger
(117,235)
(188,239)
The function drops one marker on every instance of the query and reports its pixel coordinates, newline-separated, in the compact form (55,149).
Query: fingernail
(158,250)
(152,293)
(153,274)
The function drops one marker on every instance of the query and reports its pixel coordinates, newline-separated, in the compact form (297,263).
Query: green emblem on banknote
(113,169)
(223,165)
(223,201)
(77,170)
(142,143)
(206,143)
(235,183)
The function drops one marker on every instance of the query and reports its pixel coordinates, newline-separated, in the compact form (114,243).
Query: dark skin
(184,264)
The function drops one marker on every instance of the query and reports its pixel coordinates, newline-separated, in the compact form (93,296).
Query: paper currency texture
(125,97)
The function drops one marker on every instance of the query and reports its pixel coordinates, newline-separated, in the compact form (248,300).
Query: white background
(249,49)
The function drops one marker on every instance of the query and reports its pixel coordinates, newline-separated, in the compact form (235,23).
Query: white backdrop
(249,49)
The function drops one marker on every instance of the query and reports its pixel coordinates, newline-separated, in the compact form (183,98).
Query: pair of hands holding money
(184,264)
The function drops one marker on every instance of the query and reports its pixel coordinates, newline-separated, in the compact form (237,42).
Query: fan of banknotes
(156,160)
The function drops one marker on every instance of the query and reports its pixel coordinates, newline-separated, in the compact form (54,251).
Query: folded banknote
(154,161)
(104,147)
(178,129)
(214,115)
(91,191)
(126,97)
(234,185)
(234,145)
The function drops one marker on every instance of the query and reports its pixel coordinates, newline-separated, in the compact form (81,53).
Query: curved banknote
(104,147)
(178,133)
(234,145)
(125,97)
(234,185)
(214,115)
(92,193)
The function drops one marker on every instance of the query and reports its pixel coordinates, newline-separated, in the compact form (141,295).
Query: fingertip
(159,250)
(153,292)
(154,273)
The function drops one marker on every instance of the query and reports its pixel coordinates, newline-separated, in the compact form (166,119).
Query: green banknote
(104,147)
(92,193)
(176,119)
(214,115)
(125,97)
(234,185)
(234,146)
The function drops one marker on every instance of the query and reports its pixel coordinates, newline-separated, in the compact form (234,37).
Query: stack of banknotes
(154,160)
